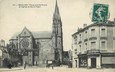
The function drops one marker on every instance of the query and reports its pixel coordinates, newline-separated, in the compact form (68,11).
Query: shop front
(82,60)
(108,60)
(94,61)
(94,58)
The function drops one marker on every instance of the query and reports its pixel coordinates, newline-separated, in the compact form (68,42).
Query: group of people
(25,64)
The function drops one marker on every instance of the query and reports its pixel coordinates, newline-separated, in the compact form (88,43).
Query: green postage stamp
(100,13)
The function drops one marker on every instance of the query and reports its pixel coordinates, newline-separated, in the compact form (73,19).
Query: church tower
(57,35)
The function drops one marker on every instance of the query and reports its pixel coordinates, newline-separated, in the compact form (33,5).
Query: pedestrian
(9,66)
(25,65)
(52,67)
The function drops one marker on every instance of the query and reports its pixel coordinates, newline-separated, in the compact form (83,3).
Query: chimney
(84,25)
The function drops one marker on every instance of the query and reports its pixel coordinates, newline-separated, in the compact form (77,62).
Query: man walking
(25,65)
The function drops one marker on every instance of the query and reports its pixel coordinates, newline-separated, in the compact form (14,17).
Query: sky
(74,13)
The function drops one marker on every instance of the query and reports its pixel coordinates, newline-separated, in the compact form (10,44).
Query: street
(55,69)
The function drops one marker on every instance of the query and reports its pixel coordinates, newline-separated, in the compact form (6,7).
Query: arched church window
(25,42)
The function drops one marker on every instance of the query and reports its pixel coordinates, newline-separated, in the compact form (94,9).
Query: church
(41,48)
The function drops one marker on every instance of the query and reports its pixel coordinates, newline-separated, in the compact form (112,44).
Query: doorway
(93,62)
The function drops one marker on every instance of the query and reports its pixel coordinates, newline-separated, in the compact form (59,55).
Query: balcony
(103,51)
(105,38)
(93,51)
(92,38)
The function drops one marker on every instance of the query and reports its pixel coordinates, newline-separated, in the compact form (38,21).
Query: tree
(14,53)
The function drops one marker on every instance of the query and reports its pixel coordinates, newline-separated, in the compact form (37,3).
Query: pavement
(55,69)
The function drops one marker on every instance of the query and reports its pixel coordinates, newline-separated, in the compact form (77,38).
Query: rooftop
(109,23)
(39,34)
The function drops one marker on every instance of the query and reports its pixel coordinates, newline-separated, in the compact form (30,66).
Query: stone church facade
(41,48)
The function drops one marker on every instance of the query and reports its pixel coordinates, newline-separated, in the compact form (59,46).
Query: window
(103,32)
(80,36)
(103,44)
(75,49)
(93,45)
(92,32)
(75,52)
(75,43)
(86,46)
(25,42)
(85,35)
(75,37)
(80,47)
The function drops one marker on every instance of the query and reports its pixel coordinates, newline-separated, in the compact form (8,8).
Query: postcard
(57,35)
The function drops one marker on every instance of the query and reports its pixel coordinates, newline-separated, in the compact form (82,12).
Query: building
(2,44)
(65,57)
(0,57)
(41,48)
(94,46)
(3,53)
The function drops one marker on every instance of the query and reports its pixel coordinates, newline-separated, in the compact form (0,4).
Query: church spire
(57,34)
(56,14)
